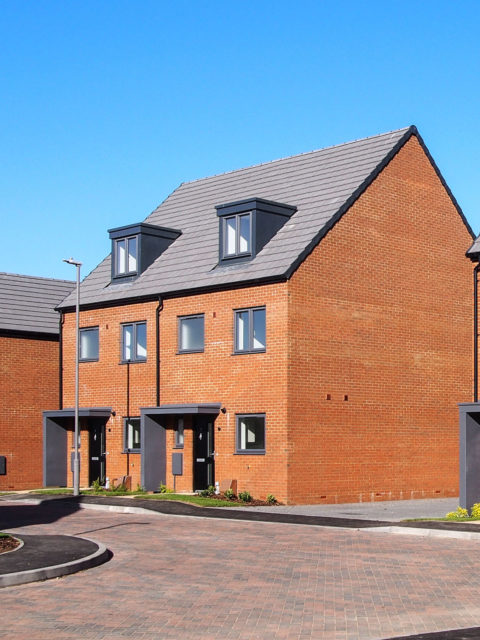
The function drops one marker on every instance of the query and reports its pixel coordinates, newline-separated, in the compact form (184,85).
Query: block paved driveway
(184,577)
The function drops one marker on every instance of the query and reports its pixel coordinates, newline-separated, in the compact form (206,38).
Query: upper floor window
(191,333)
(132,434)
(245,227)
(134,342)
(237,235)
(126,256)
(250,330)
(136,246)
(88,347)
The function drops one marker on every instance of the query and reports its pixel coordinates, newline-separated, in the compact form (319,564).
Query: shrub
(164,489)
(271,499)
(140,489)
(245,496)
(476,511)
(96,486)
(459,514)
(230,494)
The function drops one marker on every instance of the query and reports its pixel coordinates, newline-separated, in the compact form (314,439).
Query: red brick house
(302,327)
(29,359)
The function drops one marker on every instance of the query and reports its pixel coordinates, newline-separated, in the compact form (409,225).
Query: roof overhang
(84,412)
(210,408)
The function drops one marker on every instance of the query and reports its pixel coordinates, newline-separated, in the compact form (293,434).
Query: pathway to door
(186,578)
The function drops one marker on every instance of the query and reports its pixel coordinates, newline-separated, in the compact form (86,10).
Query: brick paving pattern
(184,577)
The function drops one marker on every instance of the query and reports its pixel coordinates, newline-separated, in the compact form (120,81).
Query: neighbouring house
(29,381)
(299,328)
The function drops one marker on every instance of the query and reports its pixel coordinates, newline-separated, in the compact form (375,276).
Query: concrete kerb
(391,529)
(99,556)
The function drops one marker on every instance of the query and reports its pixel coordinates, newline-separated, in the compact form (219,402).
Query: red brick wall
(28,386)
(249,383)
(104,383)
(381,313)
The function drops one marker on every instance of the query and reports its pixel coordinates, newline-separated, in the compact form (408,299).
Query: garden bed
(7,543)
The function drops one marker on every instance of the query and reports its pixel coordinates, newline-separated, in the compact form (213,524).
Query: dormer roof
(321,185)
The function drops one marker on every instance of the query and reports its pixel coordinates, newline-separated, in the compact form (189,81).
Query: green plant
(475,511)
(271,499)
(96,486)
(459,514)
(230,494)
(140,489)
(245,496)
(164,489)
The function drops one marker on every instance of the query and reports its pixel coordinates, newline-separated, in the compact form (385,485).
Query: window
(132,434)
(250,332)
(88,348)
(191,334)
(237,235)
(126,256)
(134,342)
(251,433)
(179,434)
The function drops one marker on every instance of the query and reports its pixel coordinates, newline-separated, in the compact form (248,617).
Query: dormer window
(237,235)
(247,225)
(126,256)
(136,246)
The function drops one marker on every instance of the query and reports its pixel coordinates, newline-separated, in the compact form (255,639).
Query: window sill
(242,353)
(132,361)
(89,360)
(183,352)
(259,452)
(179,446)
(137,451)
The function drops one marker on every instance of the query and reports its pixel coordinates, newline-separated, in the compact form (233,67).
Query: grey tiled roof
(28,303)
(321,184)
(474,252)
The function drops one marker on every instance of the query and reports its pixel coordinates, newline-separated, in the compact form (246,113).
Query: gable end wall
(380,318)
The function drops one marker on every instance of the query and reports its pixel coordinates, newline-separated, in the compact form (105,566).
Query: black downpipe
(60,359)
(128,417)
(475,332)
(157,348)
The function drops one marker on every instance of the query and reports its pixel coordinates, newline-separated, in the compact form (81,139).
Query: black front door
(203,453)
(96,466)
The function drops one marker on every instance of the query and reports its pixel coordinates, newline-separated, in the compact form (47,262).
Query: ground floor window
(132,434)
(250,433)
(179,434)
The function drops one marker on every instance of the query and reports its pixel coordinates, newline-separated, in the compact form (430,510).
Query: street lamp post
(76,462)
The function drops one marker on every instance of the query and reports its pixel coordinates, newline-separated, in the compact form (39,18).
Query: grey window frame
(180,319)
(85,329)
(246,452)
(136,358)
(238,253)
(178,444)
(251,348)
(126,449)
(127,272)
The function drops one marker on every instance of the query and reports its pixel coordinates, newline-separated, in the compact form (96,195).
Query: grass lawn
(179,497)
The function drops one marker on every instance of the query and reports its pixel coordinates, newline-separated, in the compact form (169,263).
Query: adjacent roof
(28,303)
(474,252)
(321,184)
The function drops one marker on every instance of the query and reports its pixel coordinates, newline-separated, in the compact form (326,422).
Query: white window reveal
(134,342)
(237,235)
(250,330)
(126,256)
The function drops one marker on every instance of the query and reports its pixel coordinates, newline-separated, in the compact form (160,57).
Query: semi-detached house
(29,382)
(302,327)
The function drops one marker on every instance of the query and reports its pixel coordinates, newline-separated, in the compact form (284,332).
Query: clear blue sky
(105,107)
